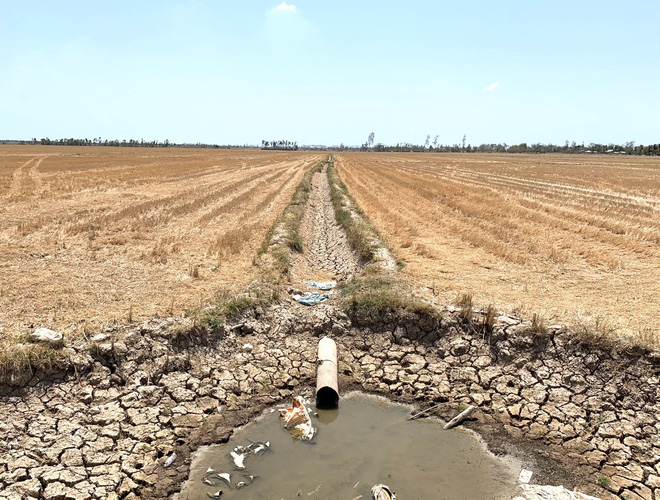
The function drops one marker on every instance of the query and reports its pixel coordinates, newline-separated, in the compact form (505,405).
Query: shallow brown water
(366,442)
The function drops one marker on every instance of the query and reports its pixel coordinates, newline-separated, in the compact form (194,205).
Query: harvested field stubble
(572,238)
(88,235)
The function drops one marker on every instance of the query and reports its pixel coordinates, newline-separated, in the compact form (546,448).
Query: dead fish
(238,459)
(382,492)
(214,495)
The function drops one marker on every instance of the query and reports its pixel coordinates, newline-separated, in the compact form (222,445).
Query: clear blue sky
(330,72)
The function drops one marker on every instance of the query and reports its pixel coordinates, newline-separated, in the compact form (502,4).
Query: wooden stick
(427,410)
(460,417)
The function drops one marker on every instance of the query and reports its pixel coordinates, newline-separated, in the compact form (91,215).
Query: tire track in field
(17,182)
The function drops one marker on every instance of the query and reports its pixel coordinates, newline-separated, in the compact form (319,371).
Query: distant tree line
(629,148)
(131,143)
(289,145)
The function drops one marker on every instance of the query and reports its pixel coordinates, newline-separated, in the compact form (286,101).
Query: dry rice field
(573,238)
(90,235)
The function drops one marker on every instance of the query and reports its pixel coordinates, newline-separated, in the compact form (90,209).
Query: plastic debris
(225,476)
(525,476)
(382,492)
(170,460)
(537,492)
(248,347)
(238,459)
(311,298)
(323,285)
(240,452)
(214,495)
(297,421)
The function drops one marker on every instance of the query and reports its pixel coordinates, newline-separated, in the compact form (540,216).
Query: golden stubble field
(90,235)
(573,238)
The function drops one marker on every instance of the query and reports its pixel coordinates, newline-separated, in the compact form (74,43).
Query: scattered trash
(296,420)
(170,460)
(323,285)
(311,298)
(214,495)
(226,477)
(46,336)
(248,347)
(240,452)
(382,492)
(460,417)
(238,459)
(525,476)
(209,471)
(537,492)
(240,484)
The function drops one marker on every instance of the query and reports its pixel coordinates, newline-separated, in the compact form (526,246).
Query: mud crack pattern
(326,247)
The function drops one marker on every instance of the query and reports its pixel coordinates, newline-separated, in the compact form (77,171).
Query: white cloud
(286,7)
(491,87)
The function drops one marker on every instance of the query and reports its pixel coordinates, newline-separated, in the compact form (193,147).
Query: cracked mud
(327,252)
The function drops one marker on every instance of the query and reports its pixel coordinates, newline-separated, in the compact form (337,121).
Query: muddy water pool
(367,441)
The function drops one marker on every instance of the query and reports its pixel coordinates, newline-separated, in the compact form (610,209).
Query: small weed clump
(20,358)
(599,333)
(372,292)
(488,321)
(538,325)
(465,303)
(228,306)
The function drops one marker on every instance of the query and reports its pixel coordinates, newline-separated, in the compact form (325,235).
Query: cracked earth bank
(326,250)
(573,414)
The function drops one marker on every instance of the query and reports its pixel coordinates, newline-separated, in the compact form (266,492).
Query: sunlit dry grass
(91,235)
(566,236)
